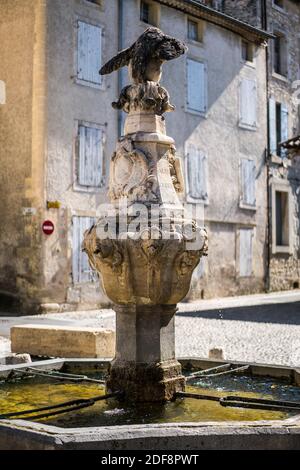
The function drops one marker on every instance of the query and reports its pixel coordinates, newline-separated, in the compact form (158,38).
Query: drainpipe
(264,24)
(120,47)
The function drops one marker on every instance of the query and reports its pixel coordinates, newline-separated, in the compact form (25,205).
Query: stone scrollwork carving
(148,97)
(129,172)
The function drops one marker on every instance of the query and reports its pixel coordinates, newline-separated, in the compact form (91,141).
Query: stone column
(145,367)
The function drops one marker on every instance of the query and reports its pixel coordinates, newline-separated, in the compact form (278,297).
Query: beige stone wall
(22,26)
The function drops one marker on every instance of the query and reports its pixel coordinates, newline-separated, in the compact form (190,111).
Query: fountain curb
(269,435)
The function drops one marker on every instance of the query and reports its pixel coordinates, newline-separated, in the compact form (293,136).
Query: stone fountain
(144,246)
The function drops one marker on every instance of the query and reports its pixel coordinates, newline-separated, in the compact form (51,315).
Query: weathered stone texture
(61,341)
(245,10)
(284,273)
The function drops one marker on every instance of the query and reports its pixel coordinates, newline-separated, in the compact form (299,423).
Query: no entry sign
(48,227)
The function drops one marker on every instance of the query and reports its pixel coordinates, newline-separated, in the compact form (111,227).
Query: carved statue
(146,56)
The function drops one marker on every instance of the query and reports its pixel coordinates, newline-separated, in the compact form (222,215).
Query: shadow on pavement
(288,313)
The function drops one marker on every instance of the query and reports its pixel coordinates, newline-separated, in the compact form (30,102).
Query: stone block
(63,341)
(17,359)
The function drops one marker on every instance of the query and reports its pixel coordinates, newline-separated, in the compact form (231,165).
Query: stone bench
(62,341)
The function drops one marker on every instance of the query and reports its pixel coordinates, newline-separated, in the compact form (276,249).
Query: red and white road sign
(48,227)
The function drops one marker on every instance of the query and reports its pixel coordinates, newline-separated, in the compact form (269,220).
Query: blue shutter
(272,126)
(248,181)
(246,236)
(284,127)
(90,157)
(248,102)
(197,173)
(196,85)
(81,270)
(89,52)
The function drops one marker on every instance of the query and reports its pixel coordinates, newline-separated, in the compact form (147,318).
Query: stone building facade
(283,168)
(57,132)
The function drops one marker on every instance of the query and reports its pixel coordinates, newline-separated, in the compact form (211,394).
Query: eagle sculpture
(146,56)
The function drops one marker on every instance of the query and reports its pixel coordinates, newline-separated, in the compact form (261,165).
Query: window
(282,218)
(280,54)
(96,2)
(247,51)
(278,3)
(245,252)
(145,12)
(194,33)
(196,174)
(248,103)
(90,167)
(89,54)
(81,270)
(247,168)
(278,126)
(149,13)
(196,86)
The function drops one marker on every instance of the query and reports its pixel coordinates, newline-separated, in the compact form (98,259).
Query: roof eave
(198,10)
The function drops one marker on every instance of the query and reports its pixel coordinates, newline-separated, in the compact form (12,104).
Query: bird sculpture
(146,56)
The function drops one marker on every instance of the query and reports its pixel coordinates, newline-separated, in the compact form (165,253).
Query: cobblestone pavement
(264,329)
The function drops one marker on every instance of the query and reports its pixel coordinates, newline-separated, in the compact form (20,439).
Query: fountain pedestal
(145,367)
(141,246)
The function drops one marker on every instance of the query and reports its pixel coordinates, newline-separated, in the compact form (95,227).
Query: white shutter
(272,126)
(246,236)
(197,173)
(90,156)
(248,102)
(248,181)
(82,272)
(196,85)
(284,126)
(89,52)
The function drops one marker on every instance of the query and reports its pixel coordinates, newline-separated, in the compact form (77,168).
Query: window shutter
(248,99)
(272,126)
(89,53)
(82,272)
(90,158)
(246,236)
(197,173)
(248,181)
(196,85)
(284,126)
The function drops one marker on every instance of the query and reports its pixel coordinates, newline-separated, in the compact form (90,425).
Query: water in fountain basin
(28,393)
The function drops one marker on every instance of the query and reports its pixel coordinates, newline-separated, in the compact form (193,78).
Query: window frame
(281,186)
(282,75)
(154,13)
(76,185)
(251,47)
(279,7)
(200,30)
